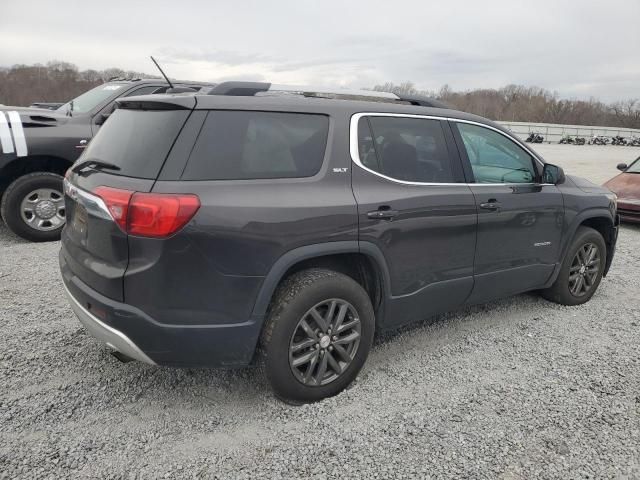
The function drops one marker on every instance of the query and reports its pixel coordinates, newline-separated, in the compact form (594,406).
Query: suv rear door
(95,247)
(519,219)
(414,206)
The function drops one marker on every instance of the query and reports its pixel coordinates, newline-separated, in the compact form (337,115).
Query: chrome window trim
(355,154)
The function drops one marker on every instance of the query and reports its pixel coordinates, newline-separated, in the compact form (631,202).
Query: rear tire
(33,207)
(317,336)
(581,270)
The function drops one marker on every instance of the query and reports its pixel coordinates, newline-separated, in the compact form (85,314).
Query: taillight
(117,202)
(154,215)
(160,214)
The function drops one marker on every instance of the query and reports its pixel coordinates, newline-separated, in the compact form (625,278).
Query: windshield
(91,99)
(634,167)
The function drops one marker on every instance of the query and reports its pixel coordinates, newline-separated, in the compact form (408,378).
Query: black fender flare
(292,257)
(13,167)
(594,212)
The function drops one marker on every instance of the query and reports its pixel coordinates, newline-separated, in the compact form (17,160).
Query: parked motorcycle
(599,140)
(535,137)
(573,140)
(618,140)
(633,141)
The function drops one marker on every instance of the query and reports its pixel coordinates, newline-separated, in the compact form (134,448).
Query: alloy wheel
(324,342)
(584,269)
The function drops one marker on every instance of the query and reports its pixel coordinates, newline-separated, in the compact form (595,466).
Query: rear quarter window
(245,145)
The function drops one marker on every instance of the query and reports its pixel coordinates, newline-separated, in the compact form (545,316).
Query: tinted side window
(494,158)
(410,149)
(366,148)
(242,145)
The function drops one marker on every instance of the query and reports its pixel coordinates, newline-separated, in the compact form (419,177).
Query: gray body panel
(518,246)
(200,297)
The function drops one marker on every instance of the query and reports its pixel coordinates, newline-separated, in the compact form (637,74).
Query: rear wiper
(95,164)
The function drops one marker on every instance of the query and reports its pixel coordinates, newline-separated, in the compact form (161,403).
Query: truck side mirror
(553,174)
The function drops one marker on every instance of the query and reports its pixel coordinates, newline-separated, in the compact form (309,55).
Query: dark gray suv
(252,225)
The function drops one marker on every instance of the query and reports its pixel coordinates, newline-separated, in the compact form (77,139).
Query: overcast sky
(577,48)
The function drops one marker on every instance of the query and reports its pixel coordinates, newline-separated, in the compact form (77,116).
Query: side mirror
(101,118)
(621,166)
(552,174)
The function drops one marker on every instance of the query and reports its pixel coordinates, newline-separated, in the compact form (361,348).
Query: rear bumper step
(113,338)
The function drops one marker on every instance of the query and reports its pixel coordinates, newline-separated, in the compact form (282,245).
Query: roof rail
(239,89)
(123,79)
(249,89)
(422,101)
(315,90)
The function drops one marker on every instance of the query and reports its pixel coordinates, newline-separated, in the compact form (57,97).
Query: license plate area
(80,220)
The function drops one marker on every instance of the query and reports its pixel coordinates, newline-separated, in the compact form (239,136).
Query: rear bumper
(137,335)
(113,338)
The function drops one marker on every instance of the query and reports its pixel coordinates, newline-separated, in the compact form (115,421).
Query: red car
(627,187)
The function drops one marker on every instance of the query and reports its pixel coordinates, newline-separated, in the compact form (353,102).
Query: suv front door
(520,219)
(414,206)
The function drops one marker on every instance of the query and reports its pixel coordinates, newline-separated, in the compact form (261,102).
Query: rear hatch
(125,157)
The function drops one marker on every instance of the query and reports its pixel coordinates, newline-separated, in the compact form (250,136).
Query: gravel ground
(515,389)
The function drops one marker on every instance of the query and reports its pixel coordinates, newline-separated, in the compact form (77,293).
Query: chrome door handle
(382,214)
(490,205)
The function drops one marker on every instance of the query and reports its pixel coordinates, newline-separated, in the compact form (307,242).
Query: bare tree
(57,81)
(530,104)
(627,112)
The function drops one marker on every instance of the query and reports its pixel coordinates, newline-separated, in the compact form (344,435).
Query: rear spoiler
(158,102)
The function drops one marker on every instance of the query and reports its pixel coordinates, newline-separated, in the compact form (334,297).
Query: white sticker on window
(112,87)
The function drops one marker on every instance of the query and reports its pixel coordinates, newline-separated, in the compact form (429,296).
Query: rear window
(244,145)
(137,141)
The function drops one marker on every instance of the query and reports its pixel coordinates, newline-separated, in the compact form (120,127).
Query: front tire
(581,270)
(33,207)
(317,336)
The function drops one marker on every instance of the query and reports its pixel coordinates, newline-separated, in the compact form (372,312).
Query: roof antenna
(165,77)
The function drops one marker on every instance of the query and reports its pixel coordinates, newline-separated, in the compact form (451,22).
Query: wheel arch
(607,227)
(30,164)
(361,261)
(599,219)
